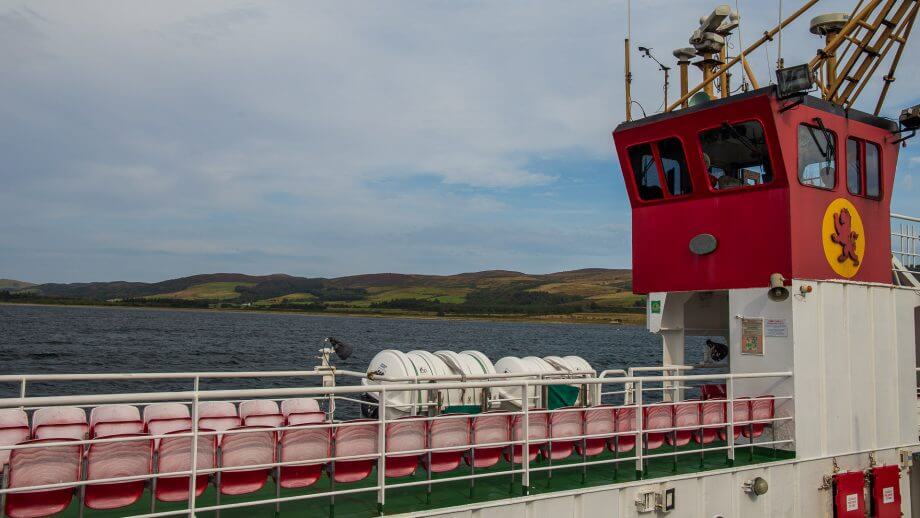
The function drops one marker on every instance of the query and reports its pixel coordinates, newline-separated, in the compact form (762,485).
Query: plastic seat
(685,414)
(452,432)
(354,439)
(261,412)
(713,413)
(538,433)
(599,420)
(302,405)
(255,446)
(625,422)
(762,407)
(14,429)
(109,420)
(304,445)
(117,459)
(488,429)
(406,434)
(40,466)
(713,391)
(565,425)
(59,423)
(163,418)
(217,415)
(656,418)
(741,411)
(174,454)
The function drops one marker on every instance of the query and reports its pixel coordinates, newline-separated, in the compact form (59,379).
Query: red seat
(174,454)
(109,420)
(685,414)
(302,405)
(163,418)
(219,416)
(261,412)
(59,423)
(538,433)
(625,422)
(448,432)
(762,408)
(565,426)
(488,429)
(41,466)
(656,417)
(741,411)
(14,429)
(304,444)
(713,414)
(353,440)
(255,445)
(117,459)
(713,391)
(599,420)
(406,434)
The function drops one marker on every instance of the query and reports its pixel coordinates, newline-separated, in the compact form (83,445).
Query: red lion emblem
(845,237)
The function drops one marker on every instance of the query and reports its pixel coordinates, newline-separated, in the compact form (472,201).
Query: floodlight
(794,80)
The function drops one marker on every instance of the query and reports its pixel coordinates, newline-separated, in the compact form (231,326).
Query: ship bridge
(728,193)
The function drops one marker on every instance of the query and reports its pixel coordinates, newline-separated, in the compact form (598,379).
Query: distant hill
(13,285)
(498,292)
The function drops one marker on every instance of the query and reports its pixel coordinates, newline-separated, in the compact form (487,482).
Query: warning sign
(752,336)
(852,503)
(888,495)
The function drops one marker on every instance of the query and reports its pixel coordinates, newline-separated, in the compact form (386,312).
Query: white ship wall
(855,361)
(794,491)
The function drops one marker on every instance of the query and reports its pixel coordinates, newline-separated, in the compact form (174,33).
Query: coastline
(611,319)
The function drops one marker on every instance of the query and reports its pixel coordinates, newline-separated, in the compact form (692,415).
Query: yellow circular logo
(843,237)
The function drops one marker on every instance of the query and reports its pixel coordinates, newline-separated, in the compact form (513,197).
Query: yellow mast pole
(766,37)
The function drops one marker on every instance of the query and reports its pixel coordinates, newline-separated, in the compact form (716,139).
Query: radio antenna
(628,73)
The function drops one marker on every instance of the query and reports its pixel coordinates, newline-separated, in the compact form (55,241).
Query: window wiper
(830,151)
(744,140)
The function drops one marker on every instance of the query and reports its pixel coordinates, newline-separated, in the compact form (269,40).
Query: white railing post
(730,412)
(640,438)
(22,390)
(381,449)
(525,448)
(193,480)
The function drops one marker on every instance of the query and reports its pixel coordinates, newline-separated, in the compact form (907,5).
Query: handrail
(349,389)
(522,440)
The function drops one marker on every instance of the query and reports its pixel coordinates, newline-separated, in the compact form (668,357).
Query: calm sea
(93,340)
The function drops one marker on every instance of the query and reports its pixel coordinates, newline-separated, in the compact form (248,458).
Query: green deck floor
(455,493)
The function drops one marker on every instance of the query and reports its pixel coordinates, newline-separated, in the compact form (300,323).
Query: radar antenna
(856,44)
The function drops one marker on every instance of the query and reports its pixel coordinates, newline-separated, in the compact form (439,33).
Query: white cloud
(182,122)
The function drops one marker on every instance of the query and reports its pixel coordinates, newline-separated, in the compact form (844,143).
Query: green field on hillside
(206,291)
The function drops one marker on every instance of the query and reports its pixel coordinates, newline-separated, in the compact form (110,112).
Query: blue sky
(148,140)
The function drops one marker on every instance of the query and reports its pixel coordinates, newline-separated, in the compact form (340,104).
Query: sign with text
(752,336)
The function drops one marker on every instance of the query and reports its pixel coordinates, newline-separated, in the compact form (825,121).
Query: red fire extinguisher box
(885,491)
(849,495)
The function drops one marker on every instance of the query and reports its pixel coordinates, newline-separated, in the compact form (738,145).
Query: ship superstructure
(761,221)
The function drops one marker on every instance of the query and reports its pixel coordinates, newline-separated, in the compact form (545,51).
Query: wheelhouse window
(873,189)
(817,151)
(863,169)
(660,169)
(736,156)
(645,170)
(854,167)
(674,164)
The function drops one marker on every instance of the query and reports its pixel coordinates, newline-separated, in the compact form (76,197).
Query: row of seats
(139,454)
(478,440)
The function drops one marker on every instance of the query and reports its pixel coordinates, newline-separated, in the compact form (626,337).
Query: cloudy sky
(147,140)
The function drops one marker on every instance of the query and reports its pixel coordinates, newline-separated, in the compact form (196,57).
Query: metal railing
(905,250)
(521,413)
